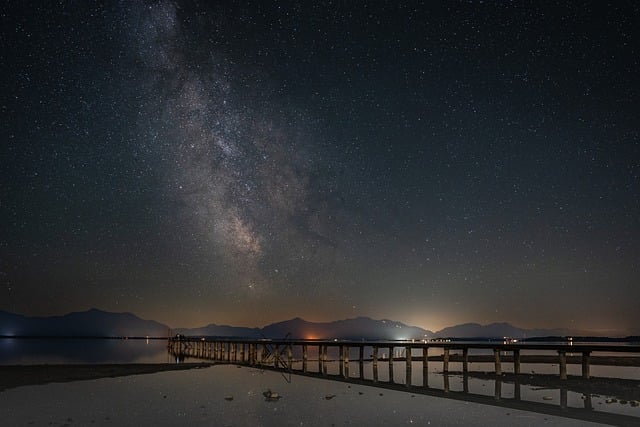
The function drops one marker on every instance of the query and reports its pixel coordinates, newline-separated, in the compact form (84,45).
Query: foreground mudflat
(232,396)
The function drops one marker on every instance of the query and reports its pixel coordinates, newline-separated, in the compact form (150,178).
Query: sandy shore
(227,395)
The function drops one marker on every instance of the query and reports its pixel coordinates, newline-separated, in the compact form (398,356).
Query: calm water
(21,351)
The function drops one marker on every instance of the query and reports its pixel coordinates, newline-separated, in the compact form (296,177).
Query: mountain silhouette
(358,328)
(496,330)
(98,323)
(91,323)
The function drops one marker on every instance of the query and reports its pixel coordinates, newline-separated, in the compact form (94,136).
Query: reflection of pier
(294,356)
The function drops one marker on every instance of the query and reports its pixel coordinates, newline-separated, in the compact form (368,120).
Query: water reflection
(595,399)
(32,351)
(512,391)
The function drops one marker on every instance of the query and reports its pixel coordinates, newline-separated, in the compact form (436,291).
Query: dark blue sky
(247,162)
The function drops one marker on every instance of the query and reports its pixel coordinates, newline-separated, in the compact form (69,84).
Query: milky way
(202,162)
(238,172)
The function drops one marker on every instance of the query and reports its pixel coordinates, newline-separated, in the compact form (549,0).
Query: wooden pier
(279,354)
(298,357)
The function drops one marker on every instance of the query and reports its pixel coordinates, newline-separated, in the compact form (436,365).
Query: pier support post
(516,362)
(587,402)
(375,363)
(407,356)
(563,398)
(425,357)
(346,361)
(320,364)
(276,356)
(361,361)
(498,389)
(563,364)
(391,364)
(498,365)
(324,359)
(289,356)
(305,356)
(465,360)
(341,359)
(445,379)
(242,352)
(445,360)
(586,357)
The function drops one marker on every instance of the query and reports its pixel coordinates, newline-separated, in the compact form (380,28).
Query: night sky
(248,162)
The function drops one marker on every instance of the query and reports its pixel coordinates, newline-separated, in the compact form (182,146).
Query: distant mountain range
(497,330)
(98,323)
(92,323)
(358,328)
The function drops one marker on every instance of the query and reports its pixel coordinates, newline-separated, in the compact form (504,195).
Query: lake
(25,351)
(33,351)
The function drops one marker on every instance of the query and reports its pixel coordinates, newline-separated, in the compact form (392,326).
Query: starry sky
(247,162)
